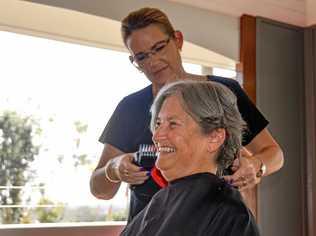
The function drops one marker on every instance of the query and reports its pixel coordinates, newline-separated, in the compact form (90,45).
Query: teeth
(166,149)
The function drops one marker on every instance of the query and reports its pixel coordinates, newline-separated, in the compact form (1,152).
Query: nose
(152,59)
(159,134)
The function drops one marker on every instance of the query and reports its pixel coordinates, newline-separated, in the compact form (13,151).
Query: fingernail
(142,168)
(229,181)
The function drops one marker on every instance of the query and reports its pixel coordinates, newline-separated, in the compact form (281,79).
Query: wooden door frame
(247,67)
(310,134)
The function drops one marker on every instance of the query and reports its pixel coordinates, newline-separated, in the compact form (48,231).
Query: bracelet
(107,175)
(262,170)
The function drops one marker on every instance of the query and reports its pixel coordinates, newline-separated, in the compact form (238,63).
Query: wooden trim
(310,118)
(248,54)
(247,67)
(64,229)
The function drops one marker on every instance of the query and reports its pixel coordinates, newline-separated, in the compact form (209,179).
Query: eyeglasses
(139,59)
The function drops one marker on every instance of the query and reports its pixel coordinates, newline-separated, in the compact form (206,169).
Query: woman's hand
(122,168)
(245,170)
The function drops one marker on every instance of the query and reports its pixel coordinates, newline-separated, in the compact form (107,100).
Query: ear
(216,139)
(178,36)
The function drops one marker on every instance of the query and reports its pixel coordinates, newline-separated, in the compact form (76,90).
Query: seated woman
(197,130)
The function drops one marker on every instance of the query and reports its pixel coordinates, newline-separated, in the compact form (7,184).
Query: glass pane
(224,73)
(58,96)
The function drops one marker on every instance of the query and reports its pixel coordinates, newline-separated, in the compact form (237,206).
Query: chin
(162,77)
(163,165)
(160,81)
(160,166)
(170,176)
(165,173)
(167,177)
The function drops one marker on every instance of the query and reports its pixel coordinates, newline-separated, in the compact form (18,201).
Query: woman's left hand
(245,170)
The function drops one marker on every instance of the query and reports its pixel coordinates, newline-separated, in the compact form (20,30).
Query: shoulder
(230,83)
(136,103)
(232,203)
(236,213)
(142,96)
(233,197)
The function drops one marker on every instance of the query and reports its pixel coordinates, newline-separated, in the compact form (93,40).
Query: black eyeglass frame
(139,59)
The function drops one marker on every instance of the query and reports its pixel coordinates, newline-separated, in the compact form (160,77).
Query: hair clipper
(146,156)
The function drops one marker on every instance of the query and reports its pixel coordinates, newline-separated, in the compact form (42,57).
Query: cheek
(190,144)
(172,63)
(149,76)
(183,139)
(175,58)
(171,58)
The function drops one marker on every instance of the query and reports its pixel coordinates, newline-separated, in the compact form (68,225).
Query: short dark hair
(144,17)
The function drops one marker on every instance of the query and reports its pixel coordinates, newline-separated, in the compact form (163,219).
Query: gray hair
(212,106)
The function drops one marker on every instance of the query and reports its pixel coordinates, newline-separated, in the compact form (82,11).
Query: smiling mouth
(166,149)
(160,70)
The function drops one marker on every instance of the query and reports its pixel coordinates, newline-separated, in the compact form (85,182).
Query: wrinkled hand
(125,170)
(245,170)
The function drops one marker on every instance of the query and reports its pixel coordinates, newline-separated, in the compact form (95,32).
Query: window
(225,73)
(64,94)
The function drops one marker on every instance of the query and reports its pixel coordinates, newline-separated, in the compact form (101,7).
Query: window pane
(193,68)
(60,95)
(224,72)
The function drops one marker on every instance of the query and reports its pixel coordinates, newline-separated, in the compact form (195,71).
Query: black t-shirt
(199,204)
(128,127)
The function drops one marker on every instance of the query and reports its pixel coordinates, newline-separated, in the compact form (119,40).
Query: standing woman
(154,47)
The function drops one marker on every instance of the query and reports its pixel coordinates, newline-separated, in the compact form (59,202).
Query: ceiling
(79,27)
(289,11)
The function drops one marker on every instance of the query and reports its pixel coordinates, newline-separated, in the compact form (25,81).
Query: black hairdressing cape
(199,204)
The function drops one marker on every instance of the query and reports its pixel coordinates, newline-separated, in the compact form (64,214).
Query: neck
(179,76)
(177,173)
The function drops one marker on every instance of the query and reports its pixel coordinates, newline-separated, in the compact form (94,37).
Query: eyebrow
(170,118)
(151,48)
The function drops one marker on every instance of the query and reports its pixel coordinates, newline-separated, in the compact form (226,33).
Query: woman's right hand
(125,170)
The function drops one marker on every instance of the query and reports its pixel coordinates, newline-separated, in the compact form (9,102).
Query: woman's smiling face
(181,144)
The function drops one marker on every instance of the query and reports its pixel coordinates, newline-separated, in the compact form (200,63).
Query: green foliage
(17,151)
(48,214)
(119,215)
(79,158)
(84,214)
(80,127)
(26,217)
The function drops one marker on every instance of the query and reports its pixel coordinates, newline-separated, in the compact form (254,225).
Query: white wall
(310,12)
(289,11)
(210,30)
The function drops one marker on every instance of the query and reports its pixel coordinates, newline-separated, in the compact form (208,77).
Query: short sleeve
(118,127)
(255,120)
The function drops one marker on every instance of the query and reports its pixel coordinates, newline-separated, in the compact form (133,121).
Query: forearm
(101,187)
(267,151)
(271,157)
